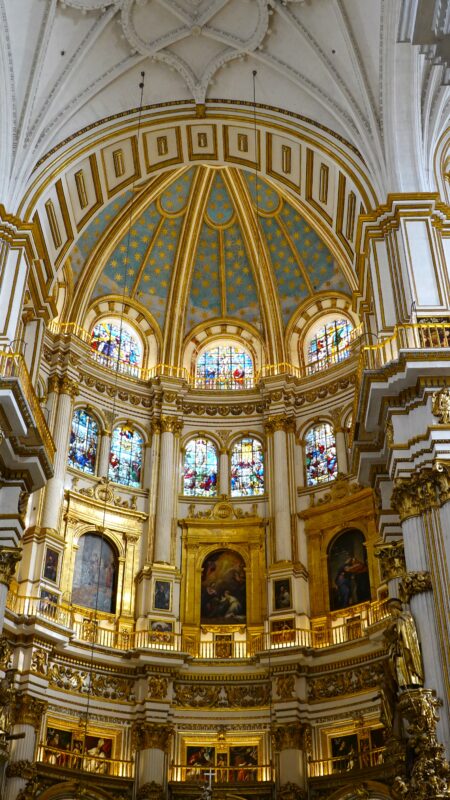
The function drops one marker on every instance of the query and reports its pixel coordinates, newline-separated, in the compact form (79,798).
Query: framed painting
(244,764)
(283,631)
(282,594)
(199,760)
(161,631)
(223,589)
(162,596)
(344,752)
(50,570)
(348,572)
(48,603)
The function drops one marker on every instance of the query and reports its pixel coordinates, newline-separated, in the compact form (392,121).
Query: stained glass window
(113,343)
(321,461)
(125,460)
(83,442)
(329,345)
(247,468)
(200,468)
(224,366)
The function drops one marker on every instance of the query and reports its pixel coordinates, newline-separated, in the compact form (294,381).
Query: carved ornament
(291,791)
(170,424)
(440,405)
(285,686)
(68,386)
(104,492)
(193,695)
(353,680)
(8,560)
(39,661)
(150,791)
(340,488)
(20,769)
(31,790)
(392,559)
(280,422)
(414,495)
(6,651)
(70,679)
(146,735)
(293,736)
(28,710)
(414,583)
(222,510)
(157,687)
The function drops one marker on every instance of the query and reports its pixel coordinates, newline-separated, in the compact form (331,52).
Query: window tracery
(329,344)
(247,467)
(224,366)
(321,461)
(83,442)
(125,460)
(200,468)
(115,344)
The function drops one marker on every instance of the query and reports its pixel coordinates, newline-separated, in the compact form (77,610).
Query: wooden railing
(85,626)
(12,365)
(89,761)
(190,773)
(346,763)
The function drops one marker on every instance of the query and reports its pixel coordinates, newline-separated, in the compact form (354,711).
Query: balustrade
(346,763)
(86,761)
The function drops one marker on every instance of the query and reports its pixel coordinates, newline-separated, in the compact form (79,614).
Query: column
(224,472)
(341,444)
(290,742)
(170,428)
(104,453)
(277,427)
(27,714)
(152,743)
(413,498)
(55,487)
(8,560)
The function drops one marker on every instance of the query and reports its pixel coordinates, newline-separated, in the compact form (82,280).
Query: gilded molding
(280,422)
(8,561)
(415,583)
(348,682)
(293,736)
(170,424)
(157,687)
(285,686)
(68,386)
(416,494)
(146,735)
(28,710)
(392,559)
(191,695)
(150,791)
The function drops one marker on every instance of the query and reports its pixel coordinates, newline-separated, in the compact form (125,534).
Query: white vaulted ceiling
(67,65)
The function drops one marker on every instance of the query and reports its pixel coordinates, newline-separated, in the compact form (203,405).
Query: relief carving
(353,680)
(285,686)
(440,406)
(146,735)
(157,687)
(234,696)
(392,560)
(8,561)
(28,710)
(414,583)
(71,679)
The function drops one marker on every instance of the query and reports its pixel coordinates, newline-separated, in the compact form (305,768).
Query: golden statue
(404,650)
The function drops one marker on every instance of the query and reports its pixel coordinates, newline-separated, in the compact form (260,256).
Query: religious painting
(97,751)
(162,596)
(344,752)
(282,594)
(58,744)
(283,631)
(223,589)
(348,573)
(51,563)
(95,574)
(161,631)
(377,743)
(222,768)
(243,764)
(199,760)
(48,602)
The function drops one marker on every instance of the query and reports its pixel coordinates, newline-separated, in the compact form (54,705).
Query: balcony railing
(85,626)
(346,763)
(190,773)
(89,761)
(12,365)
(414,336)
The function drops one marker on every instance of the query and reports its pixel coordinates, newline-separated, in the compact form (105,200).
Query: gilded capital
(146,735)
(293,736)
(415,583)
(172,425)
(28,710)
(68,386)
(279,422)
(8,560)
(392,559)
(416,494)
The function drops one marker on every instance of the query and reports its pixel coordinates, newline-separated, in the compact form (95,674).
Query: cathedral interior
(224,399)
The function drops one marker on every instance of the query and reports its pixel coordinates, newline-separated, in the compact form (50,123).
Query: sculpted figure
(404,651)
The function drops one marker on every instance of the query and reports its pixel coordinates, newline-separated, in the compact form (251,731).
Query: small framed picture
(51,565)
(161,631)
(282,594)
(48,603)
(162,597)
(283,631)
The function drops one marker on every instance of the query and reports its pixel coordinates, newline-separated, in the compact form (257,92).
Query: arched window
(247,468)
(115,344)
(95,574)
(200,468)
(83,442)
(321,461)
(348,573)
(224,366)
(125,459)
(329,344)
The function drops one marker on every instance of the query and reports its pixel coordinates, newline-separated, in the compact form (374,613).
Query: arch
(247,467)
(126,455)
(200,467)
(219,330)
(83,443)
(135,315)
(377,791)
(95,574)
(223,588)
(115,343)
(320,454)
(327,341)
(309,314)
(69,790)
(224,364)
(348,570)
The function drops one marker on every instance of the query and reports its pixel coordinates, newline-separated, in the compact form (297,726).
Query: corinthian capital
(172,425)
(8,560)
(415,583)
(279,422)
(392,560)
(414,495)
(28,710)
(68,386)
(146,735)
(293,736)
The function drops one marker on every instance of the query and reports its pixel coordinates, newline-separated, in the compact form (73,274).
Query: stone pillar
(27,715)
(224,473)
(152,743)
(105,450)
(291,741)
(277,427)
(8,560)
(415,499)
(170,428)
(51,509)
